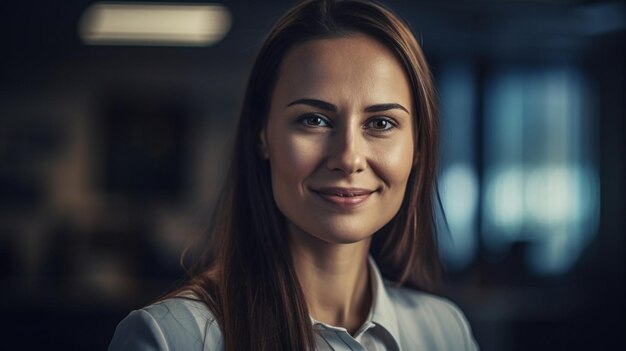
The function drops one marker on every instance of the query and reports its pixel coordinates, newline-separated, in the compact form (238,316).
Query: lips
(344,198)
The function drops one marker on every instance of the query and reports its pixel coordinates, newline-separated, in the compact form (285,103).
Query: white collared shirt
(399,319)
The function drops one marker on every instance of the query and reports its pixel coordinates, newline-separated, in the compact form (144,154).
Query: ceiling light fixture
(154,24)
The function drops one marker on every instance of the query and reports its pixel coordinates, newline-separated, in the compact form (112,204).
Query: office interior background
(114,142)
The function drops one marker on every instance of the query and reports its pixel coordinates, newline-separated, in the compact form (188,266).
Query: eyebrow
(330,107)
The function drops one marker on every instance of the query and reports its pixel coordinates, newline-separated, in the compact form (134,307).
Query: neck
(334,279)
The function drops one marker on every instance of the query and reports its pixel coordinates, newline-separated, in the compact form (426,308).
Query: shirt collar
(382,312)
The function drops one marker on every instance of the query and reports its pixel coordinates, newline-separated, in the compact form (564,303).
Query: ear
(263,145)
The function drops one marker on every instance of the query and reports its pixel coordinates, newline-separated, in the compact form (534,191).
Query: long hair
(245,274)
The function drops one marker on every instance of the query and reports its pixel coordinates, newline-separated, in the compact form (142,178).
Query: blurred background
(115,128)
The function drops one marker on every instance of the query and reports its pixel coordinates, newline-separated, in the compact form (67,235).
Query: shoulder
(434,320)
(406,299)
(171,324)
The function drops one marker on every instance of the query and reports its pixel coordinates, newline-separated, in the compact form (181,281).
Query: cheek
(394,161)
(394,170)
(292,160)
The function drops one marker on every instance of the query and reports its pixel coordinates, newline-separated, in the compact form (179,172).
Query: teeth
(344,195)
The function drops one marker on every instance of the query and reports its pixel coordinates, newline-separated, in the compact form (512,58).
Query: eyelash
(391,124)
(307,117)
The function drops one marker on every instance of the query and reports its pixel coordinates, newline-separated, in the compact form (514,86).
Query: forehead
(356,67)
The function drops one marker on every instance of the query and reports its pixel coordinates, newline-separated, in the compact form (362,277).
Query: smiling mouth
(344,198)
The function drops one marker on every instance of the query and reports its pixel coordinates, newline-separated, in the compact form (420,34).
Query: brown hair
(246,274)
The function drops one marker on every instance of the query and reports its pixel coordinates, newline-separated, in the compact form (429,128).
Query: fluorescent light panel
(158,24)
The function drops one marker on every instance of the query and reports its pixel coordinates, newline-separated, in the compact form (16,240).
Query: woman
(330,191)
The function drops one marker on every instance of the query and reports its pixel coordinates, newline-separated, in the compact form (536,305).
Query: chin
(343,238)
(343,233)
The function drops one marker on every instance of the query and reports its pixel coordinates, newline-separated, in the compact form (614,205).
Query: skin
(341,116)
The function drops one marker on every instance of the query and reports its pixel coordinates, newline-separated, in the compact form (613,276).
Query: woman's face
(339,138)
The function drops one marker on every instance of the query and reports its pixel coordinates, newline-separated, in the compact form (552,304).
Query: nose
(347,154)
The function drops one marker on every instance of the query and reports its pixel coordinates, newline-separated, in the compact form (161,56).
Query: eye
(314,120)
(380,124)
